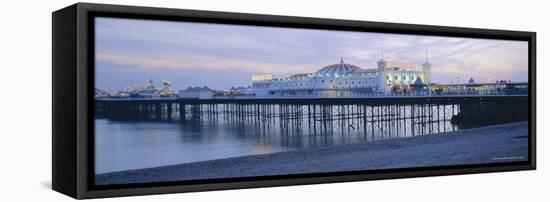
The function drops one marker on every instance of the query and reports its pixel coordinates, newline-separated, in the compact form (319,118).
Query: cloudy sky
(130,52)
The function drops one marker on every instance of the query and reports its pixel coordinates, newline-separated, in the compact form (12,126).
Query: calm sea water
(123,145)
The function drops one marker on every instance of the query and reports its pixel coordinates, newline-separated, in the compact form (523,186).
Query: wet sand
(498,143)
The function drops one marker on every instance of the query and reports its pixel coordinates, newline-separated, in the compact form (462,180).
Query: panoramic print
(178,101)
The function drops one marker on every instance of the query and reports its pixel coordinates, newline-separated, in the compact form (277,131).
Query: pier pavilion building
(344,79)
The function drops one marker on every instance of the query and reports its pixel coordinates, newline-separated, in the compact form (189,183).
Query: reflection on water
(122,144)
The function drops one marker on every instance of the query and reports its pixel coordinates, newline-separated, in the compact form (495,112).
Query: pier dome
(338,69)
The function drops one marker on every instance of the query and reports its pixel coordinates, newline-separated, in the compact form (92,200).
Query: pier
(421,115)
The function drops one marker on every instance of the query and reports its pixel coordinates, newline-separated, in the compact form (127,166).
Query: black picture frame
(73,101)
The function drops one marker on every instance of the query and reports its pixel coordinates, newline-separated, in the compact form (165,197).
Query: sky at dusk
(130,52)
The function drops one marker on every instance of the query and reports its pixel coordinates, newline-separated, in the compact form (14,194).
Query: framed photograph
(154,100)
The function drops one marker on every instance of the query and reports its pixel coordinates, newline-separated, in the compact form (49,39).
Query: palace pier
(420,114)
